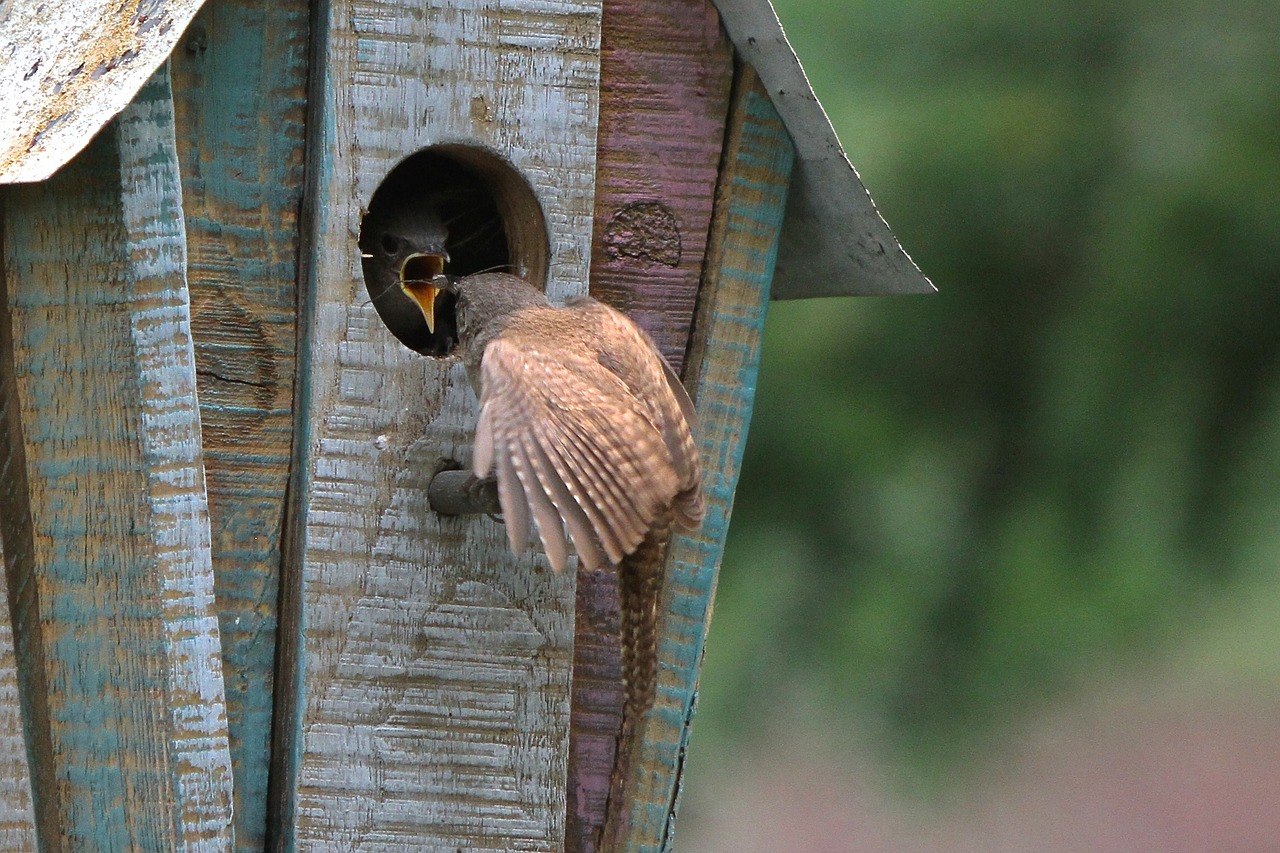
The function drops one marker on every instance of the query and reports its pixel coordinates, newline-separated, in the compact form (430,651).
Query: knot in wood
(645,231)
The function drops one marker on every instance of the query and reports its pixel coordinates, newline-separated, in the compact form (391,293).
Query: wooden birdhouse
(234,618)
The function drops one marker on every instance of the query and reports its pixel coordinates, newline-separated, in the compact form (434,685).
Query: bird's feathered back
(587,425)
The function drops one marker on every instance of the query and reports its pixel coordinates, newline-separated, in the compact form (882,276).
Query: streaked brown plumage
(590,433)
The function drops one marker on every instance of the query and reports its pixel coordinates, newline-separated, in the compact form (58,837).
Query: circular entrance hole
(452,210)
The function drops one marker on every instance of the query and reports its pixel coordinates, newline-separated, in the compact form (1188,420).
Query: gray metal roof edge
(834,242)
(66,75)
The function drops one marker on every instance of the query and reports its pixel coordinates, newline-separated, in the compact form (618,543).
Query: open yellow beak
(417,273)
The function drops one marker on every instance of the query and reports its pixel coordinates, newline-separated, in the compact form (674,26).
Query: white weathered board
(431,668)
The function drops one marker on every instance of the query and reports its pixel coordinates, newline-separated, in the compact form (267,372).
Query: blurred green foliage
(955,506)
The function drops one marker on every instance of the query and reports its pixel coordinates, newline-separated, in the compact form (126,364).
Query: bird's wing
(573,448)
(650,378)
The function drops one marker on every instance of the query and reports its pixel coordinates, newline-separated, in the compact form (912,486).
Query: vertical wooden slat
(666,68)
(22,599)
(239,79)
(118,543)
(431,667)
(723,363)
(17,812)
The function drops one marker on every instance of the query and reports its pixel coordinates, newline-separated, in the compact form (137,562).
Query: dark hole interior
(433,213)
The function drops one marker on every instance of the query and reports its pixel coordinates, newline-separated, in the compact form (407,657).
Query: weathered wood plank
(118,543)
(432,668)
(22,597)
(17,813)
(239,82)
(666,68)
(723,362)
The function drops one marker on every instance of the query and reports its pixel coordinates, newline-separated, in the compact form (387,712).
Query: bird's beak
(417,279)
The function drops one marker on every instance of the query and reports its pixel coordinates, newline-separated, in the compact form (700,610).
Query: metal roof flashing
(834,242)
(66,75)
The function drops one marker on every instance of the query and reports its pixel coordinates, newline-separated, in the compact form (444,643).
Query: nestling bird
(587,426)
(410,237)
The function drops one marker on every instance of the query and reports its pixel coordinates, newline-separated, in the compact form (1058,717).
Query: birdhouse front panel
(432,666)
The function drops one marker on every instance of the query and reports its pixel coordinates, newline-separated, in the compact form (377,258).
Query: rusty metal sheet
(834,242)
(66,70)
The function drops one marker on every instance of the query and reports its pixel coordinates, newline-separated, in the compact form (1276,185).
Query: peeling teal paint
(725,394)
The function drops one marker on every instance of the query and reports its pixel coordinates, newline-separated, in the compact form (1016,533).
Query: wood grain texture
(723,362)
(114,501)
(431,667)
(666,68)
(239,82)
(23,605)
(17,811)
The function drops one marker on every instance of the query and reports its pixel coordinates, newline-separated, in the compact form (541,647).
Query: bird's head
(477,305)
(413,281)
(410,251)
(404,255)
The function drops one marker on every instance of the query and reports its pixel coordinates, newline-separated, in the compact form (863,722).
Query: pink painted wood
(666,74)
(666,69)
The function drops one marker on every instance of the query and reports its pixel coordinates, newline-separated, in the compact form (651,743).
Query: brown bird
(591,434)
(587,426)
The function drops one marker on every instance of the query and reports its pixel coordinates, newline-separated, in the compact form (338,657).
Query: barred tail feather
(639,587)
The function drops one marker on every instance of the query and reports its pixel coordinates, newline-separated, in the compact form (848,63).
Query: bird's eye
(390,244)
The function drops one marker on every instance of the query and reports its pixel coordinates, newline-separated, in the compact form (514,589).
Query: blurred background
(1004,569)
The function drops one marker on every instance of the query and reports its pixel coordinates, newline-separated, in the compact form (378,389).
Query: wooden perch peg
(458,492)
